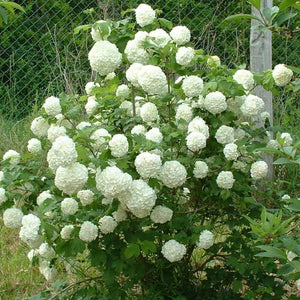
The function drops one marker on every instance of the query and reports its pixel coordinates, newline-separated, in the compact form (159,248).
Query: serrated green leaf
(242,16)
(132,250)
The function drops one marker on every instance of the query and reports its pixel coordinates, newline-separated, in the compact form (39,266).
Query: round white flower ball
(245,78)
(231,151)
(264,116)
(273,144)
(215,102)
(198,125)
(118,145)
(173,251)
(196,141)
(107,224)
(184,112)
(100,138)
(225,135)
(62,153)
(34,146)
(185,55)
(180,35)
(104,57)
(282,75)
(88,231)
(43,196)
(55,131)
(120,214)
(52,106)
(161,214)
(225,180)
(135,53)
(200,169)
(66,232)
(12,217)
(132,73)
(149,112)
(46,251)
(161,38)
(91,106)
(29,232)
(288,140)
(85,197)
(49,272)
(259,170)
(90,85)
(144,15)
(252,106)
(206,239)
(13,157)
(192,86)
(71,179)
(213,61)
(83,125)
(96,33)
(112,181)
(39,127)
(154,135)
(141,36)
(173,174)
(123,91)
(153,80)
(3,197)
(138,129)
(69,206)
(148,164)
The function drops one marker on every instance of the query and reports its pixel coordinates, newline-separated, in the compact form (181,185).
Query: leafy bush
(141,185)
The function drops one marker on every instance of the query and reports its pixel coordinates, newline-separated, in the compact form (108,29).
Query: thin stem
(133,101)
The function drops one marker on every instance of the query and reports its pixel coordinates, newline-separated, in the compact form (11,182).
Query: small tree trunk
(260,60)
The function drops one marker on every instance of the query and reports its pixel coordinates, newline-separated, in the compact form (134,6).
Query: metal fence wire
(40,56)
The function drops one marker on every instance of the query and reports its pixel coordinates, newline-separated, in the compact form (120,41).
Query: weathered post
(260,60)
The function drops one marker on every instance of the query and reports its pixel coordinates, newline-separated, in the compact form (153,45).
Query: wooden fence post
(260,60)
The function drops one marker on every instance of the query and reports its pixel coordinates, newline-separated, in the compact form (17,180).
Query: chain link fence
(40,56)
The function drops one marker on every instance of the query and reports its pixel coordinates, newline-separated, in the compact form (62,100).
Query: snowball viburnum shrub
(127,177)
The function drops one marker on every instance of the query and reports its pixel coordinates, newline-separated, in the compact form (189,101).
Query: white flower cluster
(245,78)
(43,196)
(154,135)
(139,198)
(69,206)
(259,170)
(85,197)
(135,53)
(104,57)
(120,214)
(160,37)
(123,91)
(71,179)
(96,33)
(100,139)
(107,224)
(288,140)
(12,156)
(144,14)
(252,106)
(29,232)
(206,239)
(62,153)
(112,181)
(213,61)
(231,151)
(55,131)
(148,164)
(149,112)
(46,251)
(12,217)
(184,112)
(200,169)
(173,174)
(180,35)
(118,145)
(161,214)
(225,135)
(215,102)
(152,80)
(66,232)
(185,55)
(39,127)
(49,272)
(52,106)
(198,125)
(91,106)
(173,251)
(138,129)
(196,141)
(192,86)
(225,180)
(90,85)
(133,72)
(282,75)
(88,231)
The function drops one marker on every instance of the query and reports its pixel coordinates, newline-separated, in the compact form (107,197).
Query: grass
(17,278)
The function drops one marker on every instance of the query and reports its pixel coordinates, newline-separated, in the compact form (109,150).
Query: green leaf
(281,18)
(83,28)
(271,252)
(165,23)
(11,6)
(242,16)
(282,161)
(148,246)
(255,3)
(270,13)
(132,250)
(289,3)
